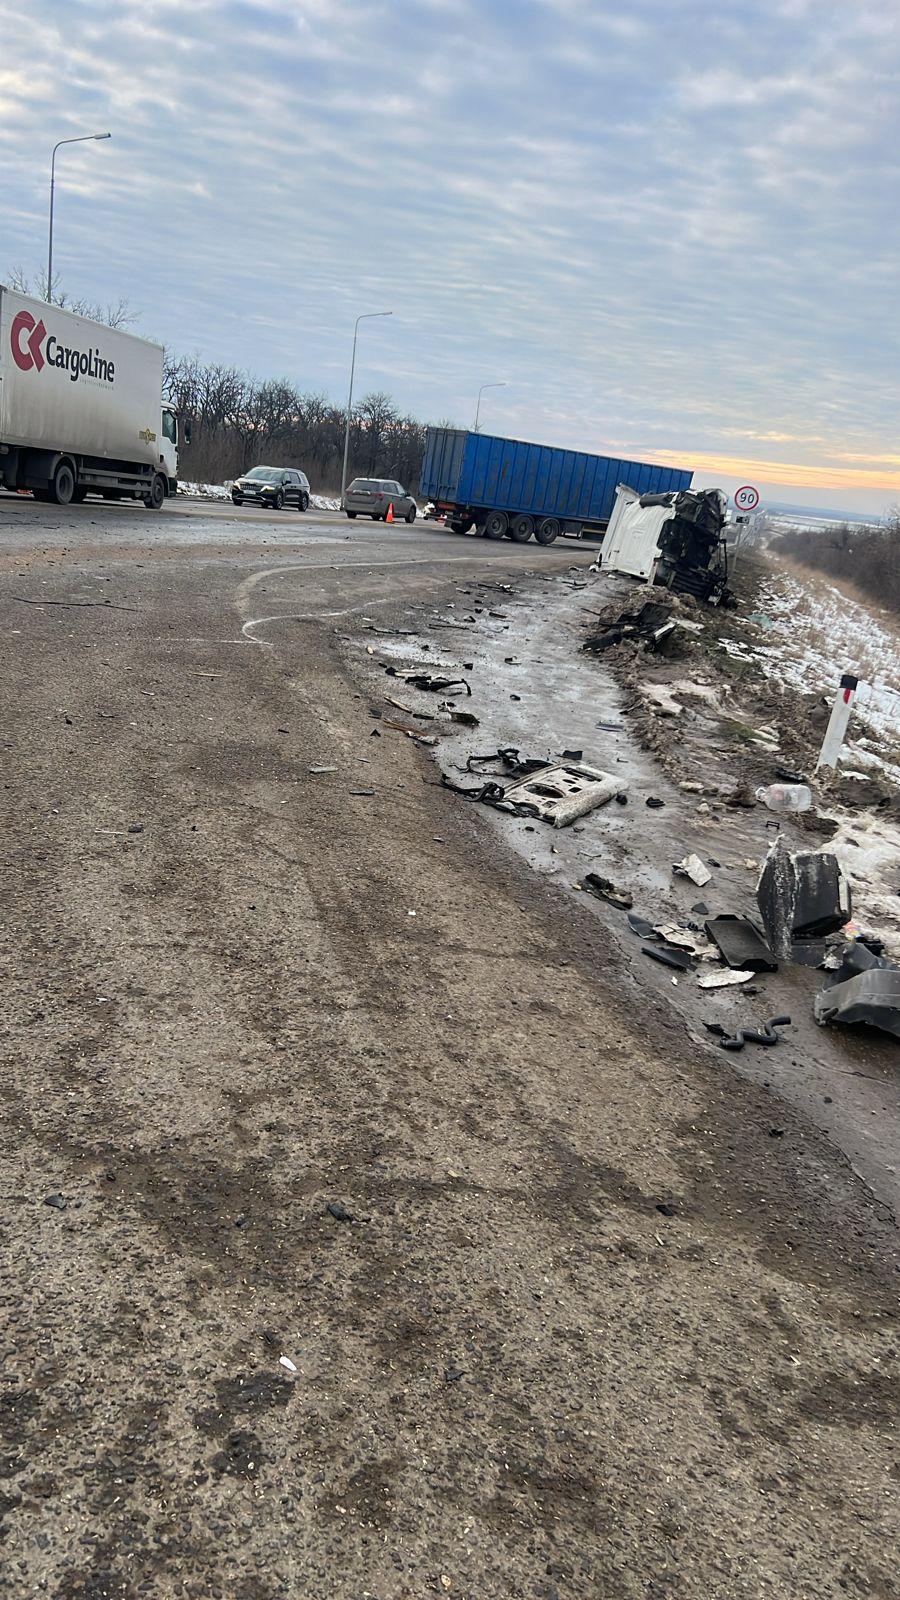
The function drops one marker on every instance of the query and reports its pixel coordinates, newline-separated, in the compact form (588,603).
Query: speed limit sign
(746,498)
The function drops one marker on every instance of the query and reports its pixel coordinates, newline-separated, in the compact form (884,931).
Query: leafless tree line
(238,422)
(867,556)
(118,315)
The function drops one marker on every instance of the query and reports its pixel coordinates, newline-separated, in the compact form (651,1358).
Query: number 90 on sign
(746,498)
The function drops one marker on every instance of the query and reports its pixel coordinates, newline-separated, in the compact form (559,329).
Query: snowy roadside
(744,698)
(813,632)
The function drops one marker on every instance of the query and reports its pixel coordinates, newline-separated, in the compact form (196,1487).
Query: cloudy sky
(674,231)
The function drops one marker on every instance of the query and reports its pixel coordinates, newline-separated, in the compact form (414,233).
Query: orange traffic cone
(390,515)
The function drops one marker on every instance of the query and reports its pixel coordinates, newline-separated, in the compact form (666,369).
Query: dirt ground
(591,1316)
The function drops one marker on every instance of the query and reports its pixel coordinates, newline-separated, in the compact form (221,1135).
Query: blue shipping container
(476,470)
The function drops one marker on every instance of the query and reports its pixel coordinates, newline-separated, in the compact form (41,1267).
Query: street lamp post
(478,404)
(84,138)
(362,318)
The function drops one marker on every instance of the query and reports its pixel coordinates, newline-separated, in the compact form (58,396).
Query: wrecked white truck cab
(675,540)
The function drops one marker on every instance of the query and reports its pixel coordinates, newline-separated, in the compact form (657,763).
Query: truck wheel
(547,531)
(460,525)
(153,501)
(63,485)
(304,501)
(495,524)
(352,515)
(521,529)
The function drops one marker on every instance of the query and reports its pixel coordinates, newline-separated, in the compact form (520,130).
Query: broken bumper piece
(872,997)
(554,794)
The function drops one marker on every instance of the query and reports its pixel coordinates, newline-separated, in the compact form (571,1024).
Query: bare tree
(118,315)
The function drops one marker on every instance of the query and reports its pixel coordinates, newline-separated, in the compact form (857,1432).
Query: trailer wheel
(495,524)
(153,501)
(460,525)
(521,529)
(547,531)
(352,515)
(63,485)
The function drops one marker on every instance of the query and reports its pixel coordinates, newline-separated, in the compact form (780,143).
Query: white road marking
(243,591)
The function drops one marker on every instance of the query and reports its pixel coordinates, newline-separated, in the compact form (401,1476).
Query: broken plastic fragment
(692,867)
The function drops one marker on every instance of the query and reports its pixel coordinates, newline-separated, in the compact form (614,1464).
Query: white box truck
(81,409)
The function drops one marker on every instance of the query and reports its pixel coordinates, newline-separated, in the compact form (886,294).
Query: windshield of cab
(264,475)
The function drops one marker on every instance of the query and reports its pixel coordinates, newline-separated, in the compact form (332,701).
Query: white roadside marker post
(837,722)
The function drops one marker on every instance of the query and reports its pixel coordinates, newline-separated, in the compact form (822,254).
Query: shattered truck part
(675,540)
(871,997)
(561,794)
(605,889)
(801,896)
(741,944)
(692,867)
(554,794)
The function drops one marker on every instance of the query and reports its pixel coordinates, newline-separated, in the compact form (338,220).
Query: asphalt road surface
(588,1316)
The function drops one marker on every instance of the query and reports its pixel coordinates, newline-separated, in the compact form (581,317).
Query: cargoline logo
(26,338)
(32,355)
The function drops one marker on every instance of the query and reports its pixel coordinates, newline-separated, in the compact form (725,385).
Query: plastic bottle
(786,796)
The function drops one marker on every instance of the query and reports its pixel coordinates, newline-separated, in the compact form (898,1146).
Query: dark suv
(272,486)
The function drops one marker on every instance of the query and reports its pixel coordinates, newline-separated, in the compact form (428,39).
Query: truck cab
(168,447)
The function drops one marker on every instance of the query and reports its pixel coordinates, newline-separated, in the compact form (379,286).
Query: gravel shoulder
(592,1328)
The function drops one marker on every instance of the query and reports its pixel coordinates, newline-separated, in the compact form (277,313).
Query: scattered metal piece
(724,979)
(605,889)
(741,943)
(428,680)
(866,988)
(668,957)
(692,867)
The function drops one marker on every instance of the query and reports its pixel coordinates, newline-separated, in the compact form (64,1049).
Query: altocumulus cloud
(672,230)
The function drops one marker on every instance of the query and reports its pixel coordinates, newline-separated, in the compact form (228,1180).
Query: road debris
(285,1361)
(864,989)
(58,1202)
(556,794)
(735,1041)
(340,1213)
(684,939)
(668,956)
(785,796)
(605,889)
(724,979)
(692,867)
(801,896)
(431,682)
(560,794)
(741,944)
